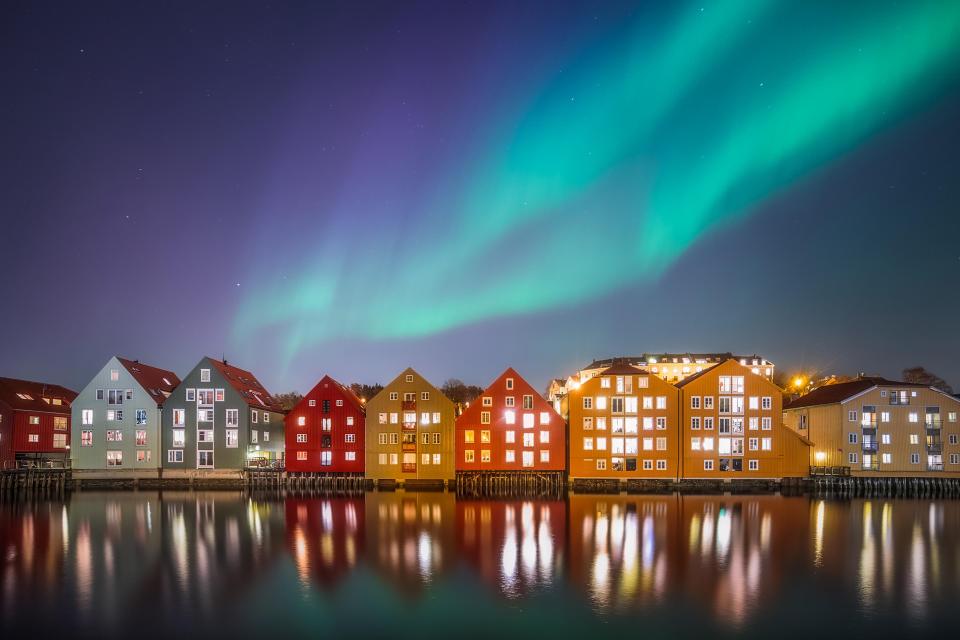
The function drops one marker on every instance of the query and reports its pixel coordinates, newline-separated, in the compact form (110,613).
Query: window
(114,375)
(587,402)
(436,417)
(852,458)
(191,395)
(487,401)
(708,423)
(955,458)
(408,378)
(141,416)
(86,416)
(852,438)
(204,375)
(544,456)
(114,458)
(266,436)
(424,395)
(301,421)
(468,455)
(510,417)
(206,435)
(233,417)
(143,455)
(509,401)
(326,458)
(601,444)
(885,458)
(394,395)
(766,423)
(708,465)
(766,404)
(753,444)
(178,437)
(233,438)
(708,402)
(425,418)
(33,437)
(114,435)
(509,436)
(952,438)
(885,438)
(382,438)
(766,444)
(754,423)
(99,394)
(913,417)
(394,438)
(753,465)
(60,423)
(914,438)
(601,464)
(254,436)
(129,394)
(219,395)
(352,456)
(509,383)
(266,417)
(254,415)
(485,455)
(468,436)
(661,402)
(694,402)
(708,444)
(205,415)
(544,437)
(86,438)
(852,416)
(952,416)
(661,424)
(914,458)
(326,424)
(527,459)
(648,444)
(528,421)
(754,403)
(484,417)
(661,465)
(175,455)
(544,417)
(588,444)
(205,459)
(485,437)
(528,440)
(141,437)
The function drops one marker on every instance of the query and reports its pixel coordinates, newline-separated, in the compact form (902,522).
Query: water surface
(425,565)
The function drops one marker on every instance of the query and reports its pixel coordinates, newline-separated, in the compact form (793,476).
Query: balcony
(869,446)
(934,447)
(409,405)
(871,466)
(935,467)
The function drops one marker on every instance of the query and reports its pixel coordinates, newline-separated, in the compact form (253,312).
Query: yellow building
(878,427)
(624,423)
(731,427)
(410,432)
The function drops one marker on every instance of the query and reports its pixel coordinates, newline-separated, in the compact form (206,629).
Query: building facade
(878,427)
(731,427)
(624,423)
(325,431)
(510,427)
(34,423)
(410,431)
(117,416)
(221,417)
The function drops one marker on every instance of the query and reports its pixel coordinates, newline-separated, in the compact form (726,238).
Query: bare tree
(920,375)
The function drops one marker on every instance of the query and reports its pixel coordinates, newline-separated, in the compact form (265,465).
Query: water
(428,566)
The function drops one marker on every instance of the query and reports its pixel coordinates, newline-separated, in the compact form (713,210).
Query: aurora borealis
(379,187)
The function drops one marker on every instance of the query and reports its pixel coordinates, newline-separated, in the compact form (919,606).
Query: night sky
(352,188)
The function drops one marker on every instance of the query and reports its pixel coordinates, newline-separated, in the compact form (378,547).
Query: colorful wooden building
(510,427)
(877,427)
(731,427)
(325,431)
(34,423)
(410,432)
(221,417)
(117,416)
(624,423)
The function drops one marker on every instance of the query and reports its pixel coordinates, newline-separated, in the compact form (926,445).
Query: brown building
(624,423)
(878,427)
(410,432)
(731,427)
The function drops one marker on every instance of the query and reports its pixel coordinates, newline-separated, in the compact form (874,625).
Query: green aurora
(610,171)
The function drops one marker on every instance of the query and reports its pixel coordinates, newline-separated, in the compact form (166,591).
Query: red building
(324,431)
(34,421)
(510,427)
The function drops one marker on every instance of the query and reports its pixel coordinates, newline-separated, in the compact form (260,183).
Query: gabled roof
(159,383)
(700,374)
(347,392)
(622,369)
(247,385)
(35,392)
(675,358)
(836,393)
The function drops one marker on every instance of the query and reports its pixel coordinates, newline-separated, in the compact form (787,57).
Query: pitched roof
(347,392)
(835,393)
(622,368)
(35,392)
(674,358)
(247,385)
(159,383)
(700,374)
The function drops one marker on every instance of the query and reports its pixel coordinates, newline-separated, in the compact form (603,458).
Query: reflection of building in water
(739,550)
(33,542)
(215,546)
(410,536)
(517,545)
(325,537)
(623,549)
(893,554)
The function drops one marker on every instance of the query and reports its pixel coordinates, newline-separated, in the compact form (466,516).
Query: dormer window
(25,396)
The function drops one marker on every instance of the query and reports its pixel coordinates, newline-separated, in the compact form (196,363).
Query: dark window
(631,464)
(326,406)
(724,464)
(325,441)
(737,464)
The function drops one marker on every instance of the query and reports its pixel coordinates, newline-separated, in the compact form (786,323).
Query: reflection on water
(107,563)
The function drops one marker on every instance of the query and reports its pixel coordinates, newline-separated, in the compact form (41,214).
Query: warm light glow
(798,382)
(820,456)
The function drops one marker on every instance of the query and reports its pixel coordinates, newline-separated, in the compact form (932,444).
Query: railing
(829,471)
(935,467)
(870,446)
(871,466)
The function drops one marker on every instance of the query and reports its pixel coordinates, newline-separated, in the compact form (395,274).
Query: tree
(365,391)
(460,393)
(919,375)
(288,400)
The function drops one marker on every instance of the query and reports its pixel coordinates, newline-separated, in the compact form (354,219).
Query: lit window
(484,417)
(527,458)
(544,456)
(301,438)
(468,436)
(86,416)
(510,436)
(485,436)
(510,456)
(468,455)
(302,455)
(175,455)
(544,437)
(233,438)
(528,440)
(204,375)
(178,437)
(509,416)
(766,444)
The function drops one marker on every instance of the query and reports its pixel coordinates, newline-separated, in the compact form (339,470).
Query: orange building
(624,423)
(731,427)
(510,427)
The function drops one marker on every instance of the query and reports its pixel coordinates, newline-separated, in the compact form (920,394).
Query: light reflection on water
(106,563)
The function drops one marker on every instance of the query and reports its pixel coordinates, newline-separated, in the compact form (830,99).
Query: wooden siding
(545,425)
(583,461)
(329,391)
(382,405)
